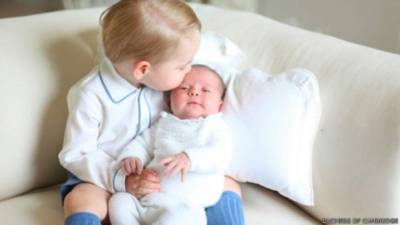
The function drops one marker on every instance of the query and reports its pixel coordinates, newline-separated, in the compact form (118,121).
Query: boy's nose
(189,67)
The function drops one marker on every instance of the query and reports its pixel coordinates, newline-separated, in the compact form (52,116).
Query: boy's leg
(125,209)
(86,204)
(227,211)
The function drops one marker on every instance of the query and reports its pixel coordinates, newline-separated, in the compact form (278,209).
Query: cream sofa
(356,160)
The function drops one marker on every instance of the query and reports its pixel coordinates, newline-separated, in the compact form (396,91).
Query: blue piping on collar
(139,119)
(108,92)
(148,108)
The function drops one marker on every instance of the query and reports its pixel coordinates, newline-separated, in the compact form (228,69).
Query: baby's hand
(177,163)
(131,165)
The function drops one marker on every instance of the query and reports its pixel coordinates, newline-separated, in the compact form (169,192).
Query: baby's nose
(193,92)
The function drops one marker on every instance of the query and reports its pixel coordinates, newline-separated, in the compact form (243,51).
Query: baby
(192,141)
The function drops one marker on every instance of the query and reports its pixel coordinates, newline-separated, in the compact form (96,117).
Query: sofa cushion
(44,207)
(263,207)
(39,207)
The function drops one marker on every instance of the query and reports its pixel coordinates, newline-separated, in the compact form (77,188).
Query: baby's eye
(184,88)
(206,90)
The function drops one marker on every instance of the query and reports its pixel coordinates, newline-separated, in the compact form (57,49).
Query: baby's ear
(141,69)
(221,105)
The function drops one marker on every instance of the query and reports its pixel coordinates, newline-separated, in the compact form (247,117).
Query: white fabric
(207,143)
(219,54)
(273,122)
(105,113)
(125,209)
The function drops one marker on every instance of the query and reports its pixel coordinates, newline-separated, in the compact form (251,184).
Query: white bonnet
(219,54)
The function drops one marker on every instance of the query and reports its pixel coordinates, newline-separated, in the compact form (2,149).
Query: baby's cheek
(215,107)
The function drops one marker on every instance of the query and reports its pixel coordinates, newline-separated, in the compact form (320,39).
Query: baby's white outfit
(207,143)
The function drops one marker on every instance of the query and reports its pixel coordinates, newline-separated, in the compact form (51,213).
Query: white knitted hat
(219,54)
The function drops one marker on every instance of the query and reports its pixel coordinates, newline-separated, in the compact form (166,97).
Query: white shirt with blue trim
(106,113)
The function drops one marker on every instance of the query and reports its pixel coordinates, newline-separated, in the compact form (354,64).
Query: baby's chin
(191,114)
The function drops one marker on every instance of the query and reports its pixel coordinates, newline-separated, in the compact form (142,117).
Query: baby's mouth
(193,103)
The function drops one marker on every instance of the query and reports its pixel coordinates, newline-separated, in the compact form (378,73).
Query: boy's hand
(131,165)
(140,185)
(177,163)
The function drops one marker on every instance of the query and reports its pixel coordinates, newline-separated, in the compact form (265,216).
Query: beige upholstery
(44,207)
(356,157)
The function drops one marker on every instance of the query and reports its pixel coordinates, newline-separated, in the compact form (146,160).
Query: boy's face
(198,95)
(169,74)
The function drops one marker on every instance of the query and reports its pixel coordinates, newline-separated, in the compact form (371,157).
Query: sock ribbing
(227,211)
(82,218)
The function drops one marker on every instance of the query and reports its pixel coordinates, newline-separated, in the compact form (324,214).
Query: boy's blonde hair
(146,29)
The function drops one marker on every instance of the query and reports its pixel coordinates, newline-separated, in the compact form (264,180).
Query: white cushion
(274,121)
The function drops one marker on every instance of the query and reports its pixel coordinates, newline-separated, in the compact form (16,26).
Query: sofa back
(41,57)
(356,156)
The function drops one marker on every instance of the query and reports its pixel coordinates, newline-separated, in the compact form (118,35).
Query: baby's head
(151,42)
(200,94)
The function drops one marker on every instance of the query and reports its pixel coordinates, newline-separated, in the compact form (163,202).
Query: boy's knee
(86,198)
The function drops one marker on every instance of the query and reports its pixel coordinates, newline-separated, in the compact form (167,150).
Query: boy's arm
(215,154)
(80,154)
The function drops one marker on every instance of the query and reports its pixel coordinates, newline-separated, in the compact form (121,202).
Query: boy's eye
(206,90)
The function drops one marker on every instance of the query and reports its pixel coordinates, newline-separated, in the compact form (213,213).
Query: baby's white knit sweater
(207,143)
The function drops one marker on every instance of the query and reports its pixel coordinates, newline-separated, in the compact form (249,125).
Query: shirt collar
(117,87)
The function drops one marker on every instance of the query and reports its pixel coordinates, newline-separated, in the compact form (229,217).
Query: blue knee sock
(82,218)
(227,211)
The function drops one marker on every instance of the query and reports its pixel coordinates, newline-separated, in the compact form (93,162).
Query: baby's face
(198,95)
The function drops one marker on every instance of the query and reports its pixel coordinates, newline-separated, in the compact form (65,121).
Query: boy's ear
(141,69)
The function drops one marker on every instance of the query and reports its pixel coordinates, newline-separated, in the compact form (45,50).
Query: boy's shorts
(68,185)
